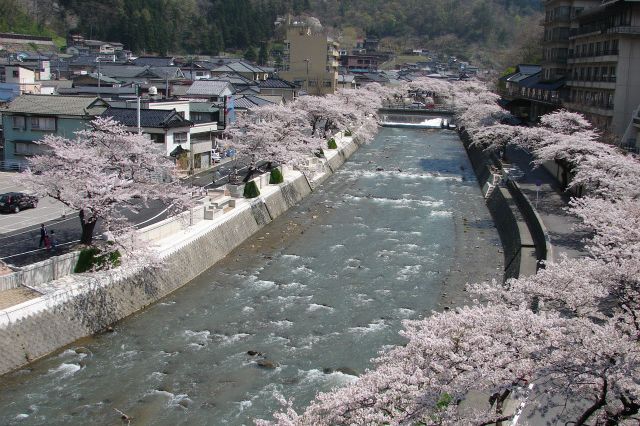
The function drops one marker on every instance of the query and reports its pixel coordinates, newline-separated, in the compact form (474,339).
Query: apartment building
(591,65)
(310,58)
(604,66)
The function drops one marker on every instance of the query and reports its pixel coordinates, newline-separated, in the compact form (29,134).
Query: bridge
(424,118)
(399,109)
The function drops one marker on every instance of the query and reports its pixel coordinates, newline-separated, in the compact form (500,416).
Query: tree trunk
(88,225)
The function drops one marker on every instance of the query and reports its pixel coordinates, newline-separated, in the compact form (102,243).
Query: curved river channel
(393,235)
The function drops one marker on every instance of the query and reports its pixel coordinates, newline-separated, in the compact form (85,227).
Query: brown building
(310,58)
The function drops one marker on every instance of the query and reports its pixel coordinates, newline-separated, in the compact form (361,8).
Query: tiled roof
(276,83)
(154,61)
(158,118)
(249,102)
(235,79)
(57,105)
(208,88)
(164,72)
(529,69)
(239,66)
(122,71)
(103,78)
(203,107)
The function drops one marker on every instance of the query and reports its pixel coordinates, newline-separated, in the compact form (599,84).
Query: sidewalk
(550,205)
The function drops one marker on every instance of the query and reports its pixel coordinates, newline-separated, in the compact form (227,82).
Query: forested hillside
(210,26)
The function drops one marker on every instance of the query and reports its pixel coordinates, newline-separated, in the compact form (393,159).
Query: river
(393,235)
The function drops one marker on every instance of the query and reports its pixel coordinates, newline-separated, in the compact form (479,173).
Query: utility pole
(306,61)
(98,59)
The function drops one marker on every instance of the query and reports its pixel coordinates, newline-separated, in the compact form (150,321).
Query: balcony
(624,30)
(590,107)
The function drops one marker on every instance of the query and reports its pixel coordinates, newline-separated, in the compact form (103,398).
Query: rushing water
(393,235)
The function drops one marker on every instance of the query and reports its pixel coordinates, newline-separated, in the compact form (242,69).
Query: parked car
(13,202)
(215,157)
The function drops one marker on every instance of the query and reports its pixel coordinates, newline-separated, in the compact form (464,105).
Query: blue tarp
(9,91)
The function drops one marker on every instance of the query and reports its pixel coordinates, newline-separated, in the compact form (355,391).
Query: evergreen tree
(263,55)
(250,54)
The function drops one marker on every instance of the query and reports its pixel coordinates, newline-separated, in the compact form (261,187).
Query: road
(20,233)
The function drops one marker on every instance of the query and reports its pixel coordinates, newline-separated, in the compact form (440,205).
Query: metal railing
(13,166)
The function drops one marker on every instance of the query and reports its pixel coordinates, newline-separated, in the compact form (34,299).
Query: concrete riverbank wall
(79,305)
(521,231)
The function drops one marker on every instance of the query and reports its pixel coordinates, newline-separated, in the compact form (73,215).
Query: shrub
(332,144)
(276,177)
(348,133)
(251,190)
(319,153)
(94,259)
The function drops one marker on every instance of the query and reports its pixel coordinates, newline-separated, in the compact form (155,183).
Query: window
(156,137)
(26,148)
(16,74)
(327,83)
(19,122)
(180,138)
(43,123)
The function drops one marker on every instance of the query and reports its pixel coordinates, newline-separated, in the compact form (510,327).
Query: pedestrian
(43,234)
(54,242)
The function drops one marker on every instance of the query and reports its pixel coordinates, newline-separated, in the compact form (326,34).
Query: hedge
(251,190)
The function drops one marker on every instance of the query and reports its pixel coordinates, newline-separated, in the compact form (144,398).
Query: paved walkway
(15,296)
(551,203)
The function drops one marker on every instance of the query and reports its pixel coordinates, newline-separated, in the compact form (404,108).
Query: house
(277,86)
(359,62)
(167,121)
(209,90)
(28,118)
(246,103)
(347,81)
(23,77)
(196,71)
(95,81)
(101,47)
(243,68)
(167,128)
(239,83)
(154,61)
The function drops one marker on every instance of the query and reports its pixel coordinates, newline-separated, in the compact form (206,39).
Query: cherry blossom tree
(103,173)
(572,331)
(326,113)
(277,133)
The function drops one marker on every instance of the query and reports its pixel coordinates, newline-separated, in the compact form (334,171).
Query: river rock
(82,350)
(347,370)
(265,363)
(327,370)
(253,353)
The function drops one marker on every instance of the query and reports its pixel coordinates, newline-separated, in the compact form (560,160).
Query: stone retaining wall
(87,303)
(40,272)
(520,255)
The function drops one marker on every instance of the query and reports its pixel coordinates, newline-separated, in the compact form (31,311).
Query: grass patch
(94,259)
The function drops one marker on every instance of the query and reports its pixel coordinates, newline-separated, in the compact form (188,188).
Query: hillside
(485,30)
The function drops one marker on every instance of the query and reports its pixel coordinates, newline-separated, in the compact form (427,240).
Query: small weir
(299,308)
